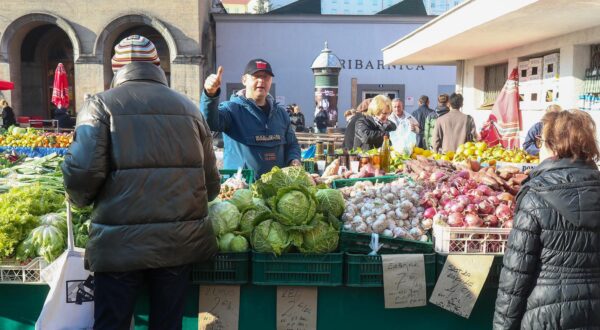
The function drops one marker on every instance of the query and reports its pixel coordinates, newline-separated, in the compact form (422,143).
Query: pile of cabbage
(284,212)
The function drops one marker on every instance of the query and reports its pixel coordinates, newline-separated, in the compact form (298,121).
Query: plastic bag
(403,139)
(374,245)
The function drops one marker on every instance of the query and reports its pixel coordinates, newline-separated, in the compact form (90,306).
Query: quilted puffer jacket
(142,154)
(551,273)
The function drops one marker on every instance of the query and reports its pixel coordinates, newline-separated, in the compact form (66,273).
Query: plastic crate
(297,269)
(340,183)
(310,166)
(227,268)
(493,276)
(14,272)
(367,271)
(478,240)
(248,175)
(352,242)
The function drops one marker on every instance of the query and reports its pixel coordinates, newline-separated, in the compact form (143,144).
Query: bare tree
(262,6)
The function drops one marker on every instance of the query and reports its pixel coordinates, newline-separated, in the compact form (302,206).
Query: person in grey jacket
(142,155)
(551,273)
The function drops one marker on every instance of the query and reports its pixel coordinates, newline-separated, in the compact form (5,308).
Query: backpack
(428,130)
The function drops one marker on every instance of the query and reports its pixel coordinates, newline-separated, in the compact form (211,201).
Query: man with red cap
(258,132)
(142,155)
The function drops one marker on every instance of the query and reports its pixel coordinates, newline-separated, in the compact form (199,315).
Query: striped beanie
(134,48)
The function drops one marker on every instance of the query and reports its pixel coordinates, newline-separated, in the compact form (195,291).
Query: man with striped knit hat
(142,155)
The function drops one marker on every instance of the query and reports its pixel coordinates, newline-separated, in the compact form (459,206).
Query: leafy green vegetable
(57,220)
(270,236)
(322,238)
(294,206)
(83,234)
(49,242)
(270,183)
(225,217)
(26,250)
(238,244)
(251,217)
(242,198)
(330,201)
(225,241)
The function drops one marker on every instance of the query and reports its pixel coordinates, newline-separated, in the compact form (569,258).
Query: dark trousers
(115,294)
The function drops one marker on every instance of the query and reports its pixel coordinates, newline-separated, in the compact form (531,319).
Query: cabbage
(251,217)
(225,241)
(55,219)
(322,238)
(242,198)
(270,182)
(259,201)
(238,244)
(330,201)
(270,236)
(225,217)
(294,206)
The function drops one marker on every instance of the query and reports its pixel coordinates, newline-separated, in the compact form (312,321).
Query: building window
(494,79)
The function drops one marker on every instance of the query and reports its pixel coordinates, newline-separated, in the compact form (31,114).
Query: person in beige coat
(454,128)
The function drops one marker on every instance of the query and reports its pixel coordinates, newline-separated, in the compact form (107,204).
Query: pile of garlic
(390,209)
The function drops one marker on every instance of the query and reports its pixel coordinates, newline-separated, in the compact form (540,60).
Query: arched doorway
(41,50)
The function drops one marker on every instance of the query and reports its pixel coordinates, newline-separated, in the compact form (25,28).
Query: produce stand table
(338,308)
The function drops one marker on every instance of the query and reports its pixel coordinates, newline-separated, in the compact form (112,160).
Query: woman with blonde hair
(8,116)
(371,129)
(551,273)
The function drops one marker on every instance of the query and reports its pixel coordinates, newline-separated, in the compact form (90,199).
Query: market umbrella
(506,116)
(60,88)
(6,85)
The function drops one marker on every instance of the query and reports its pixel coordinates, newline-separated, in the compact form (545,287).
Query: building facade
(36,36)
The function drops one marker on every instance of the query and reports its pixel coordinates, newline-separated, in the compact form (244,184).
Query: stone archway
(11,51)
(148,26)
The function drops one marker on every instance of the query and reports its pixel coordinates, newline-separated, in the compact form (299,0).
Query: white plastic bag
(70,302)
(403,139)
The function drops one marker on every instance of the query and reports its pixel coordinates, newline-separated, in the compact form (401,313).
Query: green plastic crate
(310,166)
(493,276)
(297,269)
(340,183)
(248,174)
(358,243)
(226,268)
(367,271)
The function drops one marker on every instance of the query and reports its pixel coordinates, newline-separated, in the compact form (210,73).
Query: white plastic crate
(470,240)
(14,272)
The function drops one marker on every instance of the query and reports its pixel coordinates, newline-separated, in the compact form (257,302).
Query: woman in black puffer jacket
(551,273)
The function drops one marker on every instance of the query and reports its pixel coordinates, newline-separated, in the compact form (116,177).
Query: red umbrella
(6,85)
(506,115)
(60,88)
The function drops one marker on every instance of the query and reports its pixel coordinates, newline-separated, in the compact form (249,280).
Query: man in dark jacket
(258,131)
(321,120)
(142,155)
(421,115)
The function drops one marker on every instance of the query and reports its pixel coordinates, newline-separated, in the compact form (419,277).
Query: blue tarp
(35,152)
(309,153)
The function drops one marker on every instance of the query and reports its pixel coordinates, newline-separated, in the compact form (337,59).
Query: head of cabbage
(330,201)
(294,206)
(252,216)
(224,217)
(270,182)
(242,198)
(270,237)
(233,243)
(322,238)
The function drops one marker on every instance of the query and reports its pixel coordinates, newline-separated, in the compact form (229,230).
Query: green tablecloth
(338,308)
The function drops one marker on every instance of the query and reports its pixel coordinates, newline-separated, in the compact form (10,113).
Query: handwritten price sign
(219,307)
(296,308)
(460,283)
(404,280)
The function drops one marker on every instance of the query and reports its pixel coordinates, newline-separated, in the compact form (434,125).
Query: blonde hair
(554,108)
(378,105)
(3,103)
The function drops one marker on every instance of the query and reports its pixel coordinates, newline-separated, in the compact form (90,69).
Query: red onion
(474,199)
(463,199)
(456,219)
(471,184)
(505,197)
(494,200)
(473,220)
(507,224)
(490,221)
(472,208)
(429,213)
(485,207)
(454,206)
(437,193)
(486,190)
(454,192)
(444,201)
(503,212)
(436,176)
(463,174)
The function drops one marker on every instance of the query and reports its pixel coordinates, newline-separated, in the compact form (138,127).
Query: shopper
(371,129)
(535,131)
(349,134)
(551,273)
(258,132)
(64,119)
(297,119)
(8,116)
(142,155)
(321,120)
(421,115)
(440,110)
(454,128)
(404,136)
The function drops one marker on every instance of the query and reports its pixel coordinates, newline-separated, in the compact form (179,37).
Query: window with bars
(494,79)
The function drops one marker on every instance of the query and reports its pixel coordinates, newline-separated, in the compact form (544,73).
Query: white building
(487,38)
(438,7)
(292,42)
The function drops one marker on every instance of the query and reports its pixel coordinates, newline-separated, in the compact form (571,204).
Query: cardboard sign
(460,283)
(404,280)
(296,308)
(219,307)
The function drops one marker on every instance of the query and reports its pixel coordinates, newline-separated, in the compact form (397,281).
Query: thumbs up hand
(213,82)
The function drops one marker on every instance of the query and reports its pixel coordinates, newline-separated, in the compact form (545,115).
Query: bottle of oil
(385,154)
(330,153)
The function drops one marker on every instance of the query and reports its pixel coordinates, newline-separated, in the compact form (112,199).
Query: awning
(477,28)
(6,85)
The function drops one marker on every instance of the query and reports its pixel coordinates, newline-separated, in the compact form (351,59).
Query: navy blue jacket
(529,144)
(252,138)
